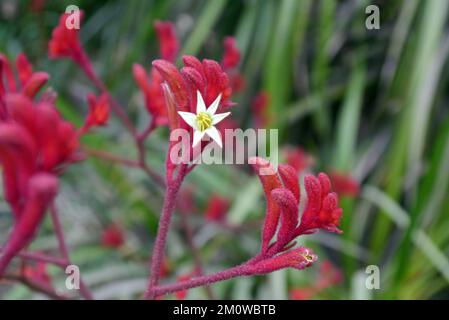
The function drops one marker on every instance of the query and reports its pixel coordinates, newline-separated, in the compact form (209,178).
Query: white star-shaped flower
(204,121)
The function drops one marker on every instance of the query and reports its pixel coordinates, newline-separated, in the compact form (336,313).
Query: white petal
(189,118)
(197,136)
(215,135)
(213,107)
(218,117)
(200,105)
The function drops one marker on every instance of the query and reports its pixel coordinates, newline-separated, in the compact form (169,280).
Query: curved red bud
(289,217)
(269,183)
(173,77)
(35,83)
(299,258)
(325,183)
(24,68)
(290,179)
(231,55)
(42,189)
(196,81)
(168,42)
(141,77)
(313,189)
(193,62)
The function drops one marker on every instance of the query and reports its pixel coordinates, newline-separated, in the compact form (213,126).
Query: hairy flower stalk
(171,192)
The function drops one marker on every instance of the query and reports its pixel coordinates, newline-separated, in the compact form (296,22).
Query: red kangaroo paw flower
(230,61)
(153,93)
(112,237)
(269,183)
(231,56)
(217,207)
(98,111)
(322,206)
(344,184)
(259,106)
(168,42)
(42,189)
(65,42)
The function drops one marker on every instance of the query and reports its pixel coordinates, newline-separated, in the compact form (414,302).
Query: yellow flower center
(307,256)
(203,121)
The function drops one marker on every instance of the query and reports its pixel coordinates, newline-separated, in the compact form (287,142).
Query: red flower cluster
(112,236)
(98,111)
(344,184)
(35,145)
(181,86)
(283,198)
(65,41)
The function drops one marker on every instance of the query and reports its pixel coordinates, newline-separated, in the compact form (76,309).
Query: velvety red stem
(64,250)
(241,270)
(171,192)
(40,257)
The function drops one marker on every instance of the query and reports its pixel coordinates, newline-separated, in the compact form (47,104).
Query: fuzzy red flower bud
(231,56)
(24,68)
(299,258)
(289,217)
(42,189)
(35,83)
(269,183)
(153,93)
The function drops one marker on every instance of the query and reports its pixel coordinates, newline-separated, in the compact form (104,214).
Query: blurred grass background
(373,103)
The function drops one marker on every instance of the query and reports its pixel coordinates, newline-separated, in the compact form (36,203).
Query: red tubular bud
(35,83)
(168,42)
(42,189)
(289,217)
(299,258)
(24,69)
(269,183)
